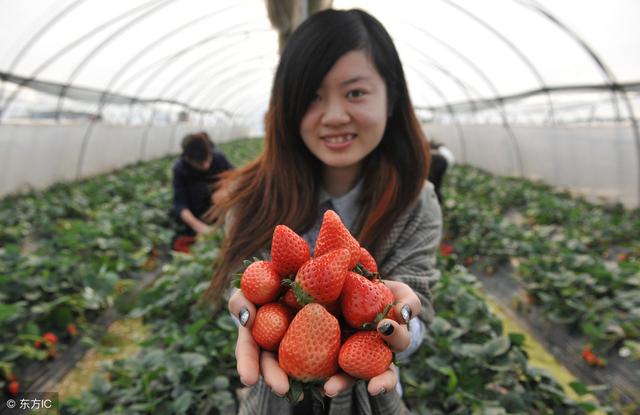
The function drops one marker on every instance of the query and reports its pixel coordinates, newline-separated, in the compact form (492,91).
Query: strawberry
(362,300)
(37,344)
(365,355)
(270,325)
(72,329)
(260,283)
(320,279)
(289,298)
(309,350)
(333,235)
(13,388)
(50,338)
(288,251)
(367,261)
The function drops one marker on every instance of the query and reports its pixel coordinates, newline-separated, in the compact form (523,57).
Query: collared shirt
(346,206)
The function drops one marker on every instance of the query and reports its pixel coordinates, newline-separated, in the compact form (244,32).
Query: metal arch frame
(465,89)
(32,41)
(610,77)
(70,46)
(101,46)
(154,111)
(210,71)
(154,44)
(206,94)
(163,64)
(240,86)
(499,104)
(451,111)
(511,46)
(152,77)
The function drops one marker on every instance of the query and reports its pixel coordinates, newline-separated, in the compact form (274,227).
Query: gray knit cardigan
(408,254)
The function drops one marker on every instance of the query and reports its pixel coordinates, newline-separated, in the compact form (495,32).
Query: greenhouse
(448,190)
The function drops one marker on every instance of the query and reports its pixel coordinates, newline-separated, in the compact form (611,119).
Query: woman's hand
(251,361)
(397,337)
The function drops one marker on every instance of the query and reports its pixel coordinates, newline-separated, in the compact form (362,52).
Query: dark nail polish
(386,329)
(406,313)
(243,316)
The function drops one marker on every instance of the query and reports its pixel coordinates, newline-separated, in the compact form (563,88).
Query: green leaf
(301,295)
(496,347)
(517,339)
(183,403)
(579,388)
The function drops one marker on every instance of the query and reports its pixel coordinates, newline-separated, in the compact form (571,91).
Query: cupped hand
(251,361)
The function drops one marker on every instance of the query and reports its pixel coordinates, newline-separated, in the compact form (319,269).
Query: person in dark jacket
(194,176)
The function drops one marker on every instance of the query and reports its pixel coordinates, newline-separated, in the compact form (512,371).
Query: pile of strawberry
(319,314)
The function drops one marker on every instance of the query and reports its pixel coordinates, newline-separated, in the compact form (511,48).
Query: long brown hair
(281,185)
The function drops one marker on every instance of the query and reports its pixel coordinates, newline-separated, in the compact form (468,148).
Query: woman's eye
(356,93)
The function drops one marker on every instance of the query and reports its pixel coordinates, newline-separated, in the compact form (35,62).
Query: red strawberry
(37,344)
(288,251)
(72,329)
(367,261)
(309,349)
(446,249)
(362,300)
(333,235)
(320,279)
(260,283)
(270,325)
(13,388)
(50,338)
(365,355)
(289,298)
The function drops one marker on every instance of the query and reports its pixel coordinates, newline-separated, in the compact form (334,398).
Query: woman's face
(348,117)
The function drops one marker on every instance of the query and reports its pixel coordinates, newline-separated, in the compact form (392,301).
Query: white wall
(593,161)
(34,156)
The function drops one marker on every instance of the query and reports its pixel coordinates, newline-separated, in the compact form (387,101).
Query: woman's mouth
(338,141)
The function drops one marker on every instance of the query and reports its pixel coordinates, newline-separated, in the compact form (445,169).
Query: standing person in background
(341,134)
(441,160)
(194,176)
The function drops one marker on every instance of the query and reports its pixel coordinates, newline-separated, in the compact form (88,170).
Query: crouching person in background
(194,176)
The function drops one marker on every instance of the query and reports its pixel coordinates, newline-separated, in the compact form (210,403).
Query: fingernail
(243,382)
(243,316)
(331,395)
(277,394)
(386,329)
(381,391)
(406,313)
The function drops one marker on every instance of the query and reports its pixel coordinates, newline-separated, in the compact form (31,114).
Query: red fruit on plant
(13,388)
(289,298)
(362,300)
(260,283)
(288,251)
(321,279)
(309,350)
(446,249)
(50,338)
(72,329)
(365,355)
(37,344)
(367,260)
(270,325)
(334,235)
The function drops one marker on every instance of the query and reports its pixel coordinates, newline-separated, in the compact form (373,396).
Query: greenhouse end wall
(598,162)
(35,156)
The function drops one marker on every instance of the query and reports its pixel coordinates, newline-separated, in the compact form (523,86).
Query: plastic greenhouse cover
(220,55)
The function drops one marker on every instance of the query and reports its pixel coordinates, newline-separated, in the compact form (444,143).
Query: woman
(341,133)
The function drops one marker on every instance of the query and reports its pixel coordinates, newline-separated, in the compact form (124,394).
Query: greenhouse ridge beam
(69,47)
(467,106)
(534,70)
(85,94)
(76,71)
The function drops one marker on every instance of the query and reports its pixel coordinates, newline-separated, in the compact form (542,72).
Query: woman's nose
(335,113)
